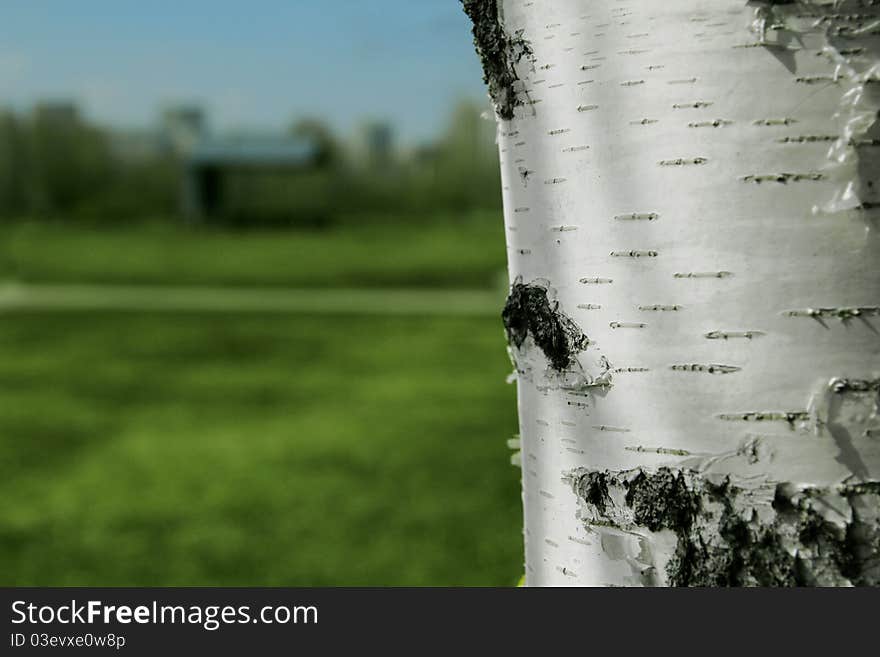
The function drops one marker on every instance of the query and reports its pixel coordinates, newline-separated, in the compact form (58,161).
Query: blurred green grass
(256,449)
(259,450)
(444,251)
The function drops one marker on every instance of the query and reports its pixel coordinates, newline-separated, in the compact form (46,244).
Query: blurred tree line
(55,165)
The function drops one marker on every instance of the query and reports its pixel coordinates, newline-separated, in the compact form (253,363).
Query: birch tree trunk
(690,202)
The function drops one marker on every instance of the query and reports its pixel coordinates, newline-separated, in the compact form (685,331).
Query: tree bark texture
(691,207)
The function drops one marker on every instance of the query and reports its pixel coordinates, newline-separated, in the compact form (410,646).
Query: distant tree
(70,161)
(319,133)
(13,165)
(467,172)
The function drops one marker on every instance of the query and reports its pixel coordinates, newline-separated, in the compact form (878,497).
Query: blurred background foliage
(141,447)
(55,165)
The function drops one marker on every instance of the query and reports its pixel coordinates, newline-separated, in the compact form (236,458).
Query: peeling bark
(738,534)
(500,52)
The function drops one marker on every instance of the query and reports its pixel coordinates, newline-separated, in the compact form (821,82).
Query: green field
(443,251)
(255,449)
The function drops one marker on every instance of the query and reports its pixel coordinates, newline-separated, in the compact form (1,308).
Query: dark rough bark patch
(744,556)
(529,311)
(661,500)
(722,539)
(499,54)
(592,487)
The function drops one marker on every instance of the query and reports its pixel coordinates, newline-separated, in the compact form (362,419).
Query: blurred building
(206,162)
(213,158)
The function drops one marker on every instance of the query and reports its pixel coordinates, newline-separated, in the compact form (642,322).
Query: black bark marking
(499,54)
(593,488)
(661,501)
(722,541)
(529,311)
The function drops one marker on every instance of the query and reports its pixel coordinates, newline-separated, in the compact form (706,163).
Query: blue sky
(253,64)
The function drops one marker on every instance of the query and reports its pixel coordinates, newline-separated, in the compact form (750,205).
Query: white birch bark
(690,207)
